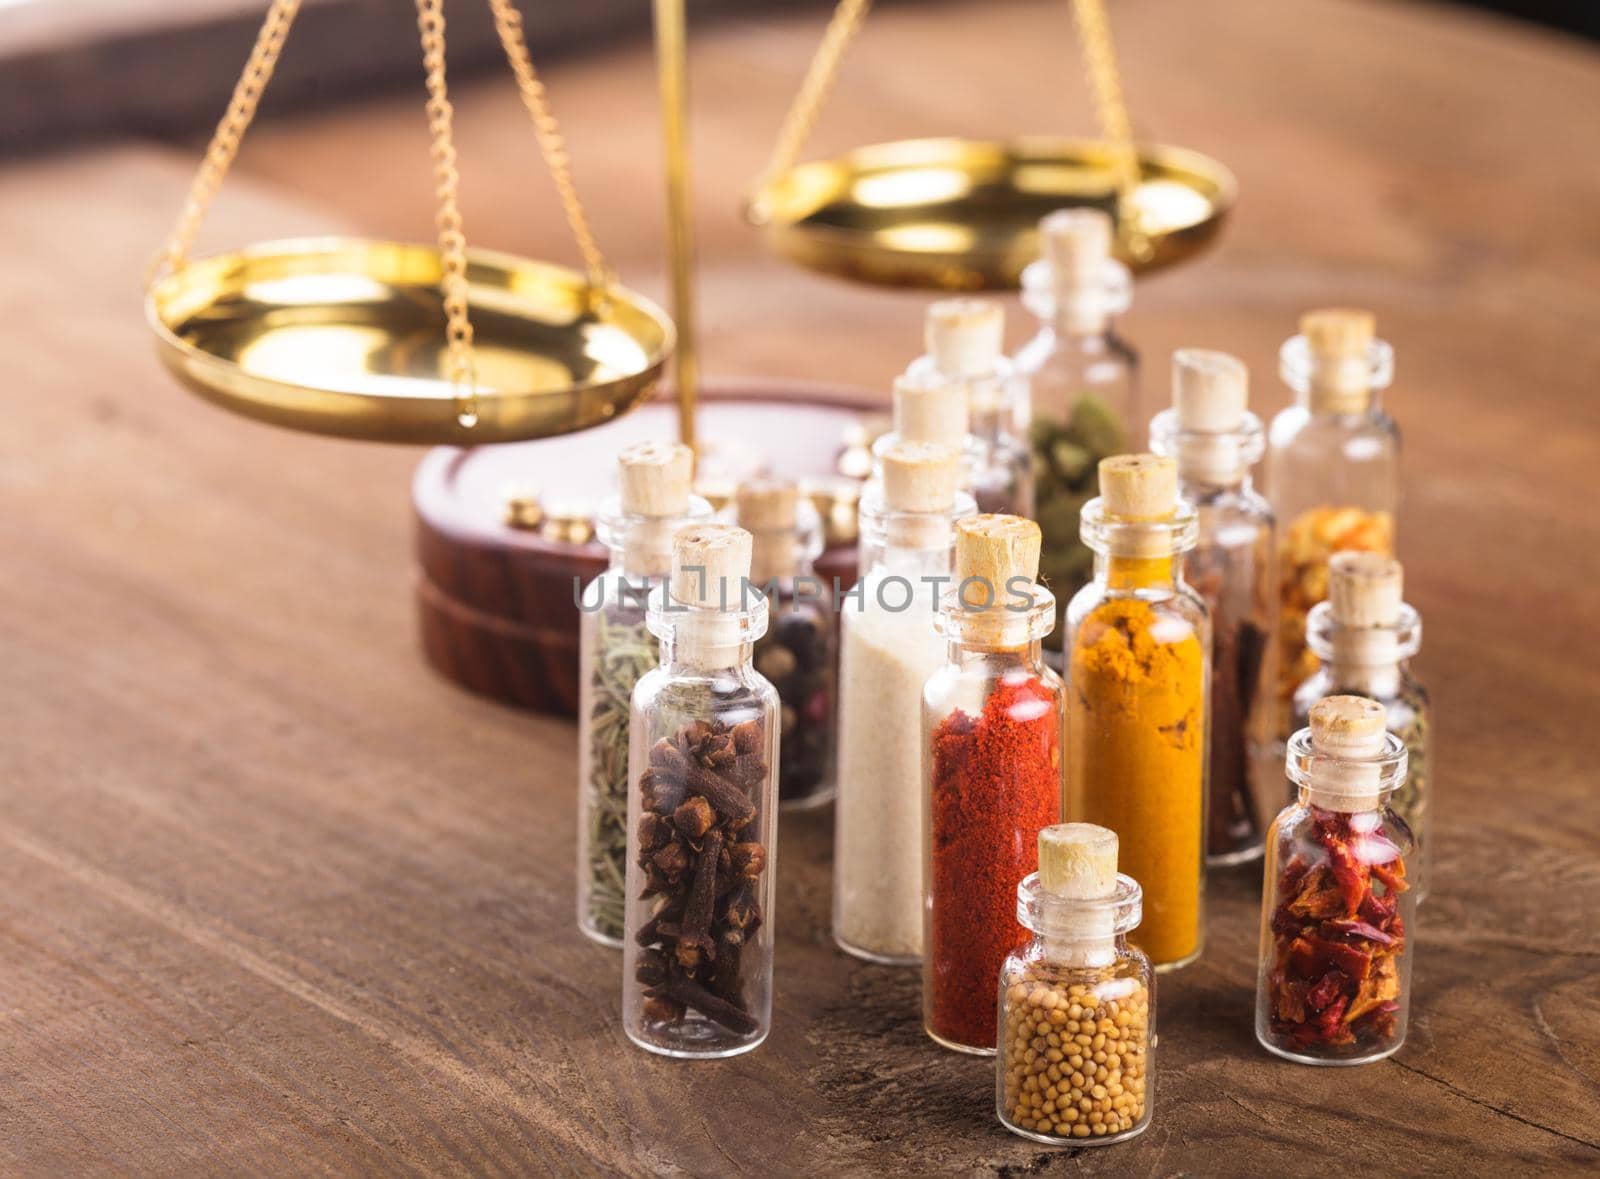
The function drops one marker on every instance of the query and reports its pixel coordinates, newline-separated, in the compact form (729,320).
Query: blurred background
(71,69)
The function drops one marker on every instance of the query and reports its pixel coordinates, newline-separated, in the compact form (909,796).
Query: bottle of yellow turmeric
(1139,653)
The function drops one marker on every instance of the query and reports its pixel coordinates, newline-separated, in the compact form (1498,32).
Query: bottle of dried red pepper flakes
(1077,1003)
(1337,913)
(992,720)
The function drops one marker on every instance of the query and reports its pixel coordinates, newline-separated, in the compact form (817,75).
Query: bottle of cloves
(702,811)
(1365,636)
(965,339)
(1338,914)
(1215,441)
(1077,1003)
(798,652)
(614,650)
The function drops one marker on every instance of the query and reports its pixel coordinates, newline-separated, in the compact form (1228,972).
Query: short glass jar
(1337,913)
(1077,1021)
(702,827)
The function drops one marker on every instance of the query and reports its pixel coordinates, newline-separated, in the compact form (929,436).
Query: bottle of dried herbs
(992,730)
(1083,386)
(615,649)
(1076,1064)
(889,644)
(1138,659)
(965,338)
(702,811)
(1338,914)
(1333,470)
(798,654)
(1215,441)
(1365,636)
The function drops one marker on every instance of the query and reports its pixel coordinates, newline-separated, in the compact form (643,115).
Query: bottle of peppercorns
(797,654)
(1077,1022)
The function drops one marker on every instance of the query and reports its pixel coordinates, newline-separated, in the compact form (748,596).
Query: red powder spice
(996,782)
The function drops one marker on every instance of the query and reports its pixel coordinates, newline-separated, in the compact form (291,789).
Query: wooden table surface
(275,899)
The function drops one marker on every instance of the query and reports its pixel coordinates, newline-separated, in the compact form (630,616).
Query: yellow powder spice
(1136,758)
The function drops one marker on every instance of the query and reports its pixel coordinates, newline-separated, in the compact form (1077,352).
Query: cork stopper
(965,336)
(930,412)
(1365,589)
(920,477)
(1076,243)
(709,565)
(655,478)
(995,549)
(767,503)
(1078,861)
(1339,333)
(1209,390)
(1139,487)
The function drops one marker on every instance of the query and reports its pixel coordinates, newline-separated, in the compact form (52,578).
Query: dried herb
(623,651)
(1333,988)
(1066,463)
(696,797)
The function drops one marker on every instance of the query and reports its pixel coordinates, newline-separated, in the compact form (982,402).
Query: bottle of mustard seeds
(1139,663)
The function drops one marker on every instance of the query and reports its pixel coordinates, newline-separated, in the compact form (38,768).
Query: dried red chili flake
(1335,981)
(996,783)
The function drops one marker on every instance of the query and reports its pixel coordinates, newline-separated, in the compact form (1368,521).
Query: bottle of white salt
(889,646)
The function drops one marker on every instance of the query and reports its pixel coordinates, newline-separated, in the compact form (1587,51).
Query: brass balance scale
(457,347)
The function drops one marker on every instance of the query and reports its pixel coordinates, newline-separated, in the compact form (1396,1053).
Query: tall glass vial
(1082,379)
(614,650)
(992,728)
(1337,912)
(702,812)
(1365,636)
(1077,1003)
(1333,470)
(889,646)
(1139,667)
(965,338)
(1233,567)
(798,652)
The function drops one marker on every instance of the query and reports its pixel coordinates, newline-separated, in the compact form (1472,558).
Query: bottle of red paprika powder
(993,719)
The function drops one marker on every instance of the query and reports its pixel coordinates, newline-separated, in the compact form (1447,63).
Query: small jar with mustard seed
(1077,1020)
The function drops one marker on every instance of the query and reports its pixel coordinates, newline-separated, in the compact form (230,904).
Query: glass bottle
(1138,657)
(964,339)
(1233,567)
(614,650)
(930,408)
(1082,380)
(1365,637)
(798,653)
(889,646)
(1077,1006)
(1337,914)
(991,722)
(702,811)
(1333,470)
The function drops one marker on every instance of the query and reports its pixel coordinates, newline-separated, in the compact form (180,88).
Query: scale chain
(452,240)
(552,144)
(1100,59)
(225,140)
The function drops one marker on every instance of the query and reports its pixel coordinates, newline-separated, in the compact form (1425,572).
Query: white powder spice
(886,658)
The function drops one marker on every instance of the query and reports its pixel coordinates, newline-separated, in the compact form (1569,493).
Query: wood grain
(274,898)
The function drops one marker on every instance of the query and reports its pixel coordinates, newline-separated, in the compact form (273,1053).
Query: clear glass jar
(999,467)
(1384,675)
(890,644)
(1233,567)
(1139,658)
(697,979)
(992,728)
(614,650)
(1077,1024)
(1333,475)
(1334,985)
(799,653)
(1084,406)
